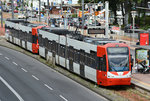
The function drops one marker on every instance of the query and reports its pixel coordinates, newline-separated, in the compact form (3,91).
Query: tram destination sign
(96,31)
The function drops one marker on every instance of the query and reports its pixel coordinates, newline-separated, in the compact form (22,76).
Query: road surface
(29,80)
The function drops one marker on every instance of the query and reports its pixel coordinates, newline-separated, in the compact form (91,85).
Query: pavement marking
(1,54)
(140,82)
(17,95)
(48,87)
(35,77)
(15,63)
(7,58)
(63,98)
(24,70)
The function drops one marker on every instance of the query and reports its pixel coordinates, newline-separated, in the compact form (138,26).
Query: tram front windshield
(118,59)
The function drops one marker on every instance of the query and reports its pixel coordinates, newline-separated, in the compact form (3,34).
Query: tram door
(102,69)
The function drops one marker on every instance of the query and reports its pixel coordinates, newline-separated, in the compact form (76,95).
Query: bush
(144,22)
(74,15)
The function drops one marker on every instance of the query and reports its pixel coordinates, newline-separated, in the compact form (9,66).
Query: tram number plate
(96,31)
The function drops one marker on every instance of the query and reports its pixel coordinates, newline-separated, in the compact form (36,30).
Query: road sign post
(133,17)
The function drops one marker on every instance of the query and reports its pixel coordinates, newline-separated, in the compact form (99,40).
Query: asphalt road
(34,81)
(6,94)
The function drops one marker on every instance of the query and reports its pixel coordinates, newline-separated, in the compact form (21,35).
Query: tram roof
(56,30)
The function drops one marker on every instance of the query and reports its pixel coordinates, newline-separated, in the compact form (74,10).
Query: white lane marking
(24,70)
(63,98)
(48,87)
(35,77)
(17,95)
(7,58)
(15,63)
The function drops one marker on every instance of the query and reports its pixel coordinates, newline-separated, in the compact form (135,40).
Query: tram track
(115,93)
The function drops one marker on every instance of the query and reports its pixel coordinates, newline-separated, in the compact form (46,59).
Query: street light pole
(61,7)
(82,16)
(31,9)
(47,12)
(1,14)
(39,10)
(106,18)
(22,6)
(133,17)
(12,5)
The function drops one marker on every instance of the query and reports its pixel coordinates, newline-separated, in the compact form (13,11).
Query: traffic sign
(96,31)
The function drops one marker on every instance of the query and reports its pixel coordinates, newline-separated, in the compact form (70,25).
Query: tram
(104,61)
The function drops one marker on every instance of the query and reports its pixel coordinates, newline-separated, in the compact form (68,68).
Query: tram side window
(49,45)
(87,59)
(62,51)
(56,47)
(68,52)
(46,42)
(71,53)
(29,37)
(25,36)
(40,40)
(13,33)
(93,59)
(20,35)
(76,56)
(82,56)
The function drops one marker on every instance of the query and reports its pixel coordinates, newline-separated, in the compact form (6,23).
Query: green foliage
(17,8)
(31,5)
(74,16)
(144,22)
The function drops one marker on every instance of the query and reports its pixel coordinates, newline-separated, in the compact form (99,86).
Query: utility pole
(39,11)
(31,9)
(22,6)
(47,12)
(83,16)
(12,6)
(106,18)
(61,7)
(1,11)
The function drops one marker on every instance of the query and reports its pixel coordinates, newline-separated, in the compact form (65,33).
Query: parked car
(128,28)
(15,11)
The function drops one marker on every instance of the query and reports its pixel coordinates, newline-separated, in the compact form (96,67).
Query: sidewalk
(2,30)
(138,79)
